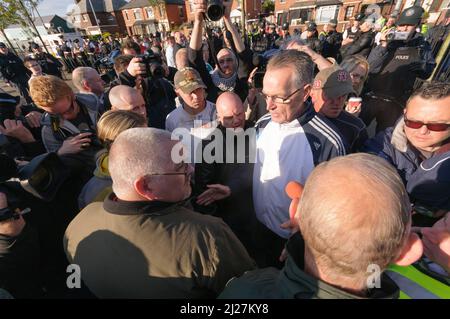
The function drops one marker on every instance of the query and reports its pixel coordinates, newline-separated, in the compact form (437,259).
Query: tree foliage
(268,6)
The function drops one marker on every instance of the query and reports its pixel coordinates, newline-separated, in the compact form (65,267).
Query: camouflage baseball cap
(334,82)
(188,80)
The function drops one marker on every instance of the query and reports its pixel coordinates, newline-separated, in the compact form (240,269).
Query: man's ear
(142,187)
(86,85)
(411,252)
(307,92)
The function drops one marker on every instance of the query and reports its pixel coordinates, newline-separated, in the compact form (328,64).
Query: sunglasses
(436,127)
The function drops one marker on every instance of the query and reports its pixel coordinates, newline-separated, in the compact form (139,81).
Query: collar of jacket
(308,113)
(297,284)
(116,206)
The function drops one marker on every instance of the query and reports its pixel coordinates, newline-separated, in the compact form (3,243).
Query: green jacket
(292,282)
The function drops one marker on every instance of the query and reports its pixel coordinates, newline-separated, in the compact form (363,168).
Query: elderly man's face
(279,84)
(330,107)
(226,62)
(173,184)
(96,84)
(427,111)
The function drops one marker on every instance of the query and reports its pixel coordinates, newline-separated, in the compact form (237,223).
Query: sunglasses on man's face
(435,127)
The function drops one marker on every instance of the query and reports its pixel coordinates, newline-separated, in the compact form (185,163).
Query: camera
(93,137)
(42,176)
(397,36)
(259,61)
(215,10)
(153,65)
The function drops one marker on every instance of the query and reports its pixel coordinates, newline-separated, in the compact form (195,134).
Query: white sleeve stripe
(333,141)
(332,135)
(434,166)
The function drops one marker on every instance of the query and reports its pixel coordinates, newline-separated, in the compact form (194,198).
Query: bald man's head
(354,212)
(87,80)
(230,110)
(126,98)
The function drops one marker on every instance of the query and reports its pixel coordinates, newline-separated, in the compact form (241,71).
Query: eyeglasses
(435,127)
(280,100)
(185,172)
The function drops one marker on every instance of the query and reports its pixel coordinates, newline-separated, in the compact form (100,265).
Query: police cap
(410,16)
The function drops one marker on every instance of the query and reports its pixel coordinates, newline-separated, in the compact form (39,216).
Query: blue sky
(50,7)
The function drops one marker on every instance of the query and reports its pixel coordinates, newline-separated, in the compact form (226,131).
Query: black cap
(360,17)
(311,26)
(2,45)
(410,16)
(285,26)
(34,46)
(333,22)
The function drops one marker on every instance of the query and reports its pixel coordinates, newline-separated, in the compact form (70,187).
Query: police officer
(260,41)
(49,64)
(312,37)
(285,35)
(400,58)
(351,32)
(331,39)
(13,71)
(362,43)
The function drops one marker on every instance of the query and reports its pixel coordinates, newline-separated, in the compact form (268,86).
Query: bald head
(230,110)
(123,97)
(181,58)
(87,80)
(354,212)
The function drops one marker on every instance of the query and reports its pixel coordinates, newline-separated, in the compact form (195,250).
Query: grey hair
(300,62)
(137,152)
(81,74)
(347,233)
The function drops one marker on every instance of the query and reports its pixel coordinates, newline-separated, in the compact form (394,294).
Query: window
(76,18)
(326,13)
(85,17)
(282,1)
(160,11)
(137,15)
(181,12)
(150,13)
(349,12)
(126,16)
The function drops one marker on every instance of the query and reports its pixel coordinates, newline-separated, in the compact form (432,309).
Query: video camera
(397,36)
(153,65)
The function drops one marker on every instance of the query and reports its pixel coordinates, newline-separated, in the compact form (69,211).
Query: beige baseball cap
(334,82)
(188,80)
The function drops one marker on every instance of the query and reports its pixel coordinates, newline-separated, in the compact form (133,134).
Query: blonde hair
(112,123)
(350,63)
(48,89)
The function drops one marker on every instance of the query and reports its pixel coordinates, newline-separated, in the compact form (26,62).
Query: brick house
(252,8)
(141,18)
(107,13)
(298,12)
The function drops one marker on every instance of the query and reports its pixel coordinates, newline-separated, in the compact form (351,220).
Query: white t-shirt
(169,57)
(196,126)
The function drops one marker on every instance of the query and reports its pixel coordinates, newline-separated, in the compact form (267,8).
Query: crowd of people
(230,165)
